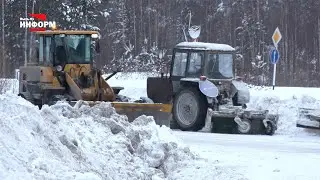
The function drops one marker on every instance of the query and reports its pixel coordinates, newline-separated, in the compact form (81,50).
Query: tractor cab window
(220,66)
(194,68)
(226,65)
(180,64)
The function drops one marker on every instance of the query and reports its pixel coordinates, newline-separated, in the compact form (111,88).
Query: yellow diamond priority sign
(276,37)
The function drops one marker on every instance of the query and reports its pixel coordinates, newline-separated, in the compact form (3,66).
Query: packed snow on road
(64,142)
(292,153)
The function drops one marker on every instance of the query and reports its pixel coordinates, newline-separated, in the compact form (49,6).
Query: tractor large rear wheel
(190,109)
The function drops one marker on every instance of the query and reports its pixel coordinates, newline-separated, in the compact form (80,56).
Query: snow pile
(286,102)
(82,142)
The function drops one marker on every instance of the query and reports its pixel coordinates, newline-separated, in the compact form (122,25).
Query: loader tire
(190,109)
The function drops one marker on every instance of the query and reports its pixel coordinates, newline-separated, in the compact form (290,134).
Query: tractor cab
(192,62)
(195,59)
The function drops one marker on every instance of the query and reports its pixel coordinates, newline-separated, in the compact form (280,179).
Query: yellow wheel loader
(63,70)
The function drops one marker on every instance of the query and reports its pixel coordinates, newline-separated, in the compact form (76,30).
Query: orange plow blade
(160,112)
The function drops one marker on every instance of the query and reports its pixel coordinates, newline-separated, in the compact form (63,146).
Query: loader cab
(58,48)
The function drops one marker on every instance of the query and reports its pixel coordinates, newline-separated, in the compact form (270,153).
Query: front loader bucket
(160,112)
(309,118)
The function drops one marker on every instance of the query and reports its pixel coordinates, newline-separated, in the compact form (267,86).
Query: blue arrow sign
(274,56)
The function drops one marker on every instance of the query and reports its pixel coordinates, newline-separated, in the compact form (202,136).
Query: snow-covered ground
(82,142)
(292,153)
(64,142)
(260,157)
(61,142)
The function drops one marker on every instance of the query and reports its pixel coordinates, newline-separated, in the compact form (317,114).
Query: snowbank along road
(62,142)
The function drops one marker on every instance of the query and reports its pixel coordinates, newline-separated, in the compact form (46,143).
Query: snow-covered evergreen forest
(138,35)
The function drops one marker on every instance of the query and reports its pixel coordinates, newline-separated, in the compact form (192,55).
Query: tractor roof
(67,32)
(204,46)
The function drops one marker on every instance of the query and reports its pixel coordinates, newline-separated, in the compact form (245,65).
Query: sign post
(274,54)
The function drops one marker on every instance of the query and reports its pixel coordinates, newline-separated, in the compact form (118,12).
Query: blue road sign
(274,56)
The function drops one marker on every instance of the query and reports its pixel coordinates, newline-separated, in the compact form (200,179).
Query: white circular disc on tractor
(208,88)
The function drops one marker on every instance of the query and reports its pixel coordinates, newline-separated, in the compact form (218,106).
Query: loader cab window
(45,55)
(195,64)
(180,64)
(73,49)
(41,42)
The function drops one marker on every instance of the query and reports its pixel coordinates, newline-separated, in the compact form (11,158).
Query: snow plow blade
(309,118)
(160,112)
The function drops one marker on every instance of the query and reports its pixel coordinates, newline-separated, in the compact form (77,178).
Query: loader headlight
(59,68)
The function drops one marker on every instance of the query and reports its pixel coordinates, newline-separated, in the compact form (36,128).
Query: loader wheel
(246,129)
(190,110)
(270,129)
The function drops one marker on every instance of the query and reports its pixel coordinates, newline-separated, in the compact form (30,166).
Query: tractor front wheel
(190,109)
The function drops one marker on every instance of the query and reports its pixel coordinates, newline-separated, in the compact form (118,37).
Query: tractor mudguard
(243,94)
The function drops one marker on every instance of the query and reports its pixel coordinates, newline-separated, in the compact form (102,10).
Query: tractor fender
(208,89)
(240,88)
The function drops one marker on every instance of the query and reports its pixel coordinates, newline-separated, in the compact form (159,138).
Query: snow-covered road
(253,142)
(260,157)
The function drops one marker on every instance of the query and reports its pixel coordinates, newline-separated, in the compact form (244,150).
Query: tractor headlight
(59,68)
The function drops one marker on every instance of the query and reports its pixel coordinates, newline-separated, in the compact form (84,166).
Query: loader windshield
(75,47)
(220,66)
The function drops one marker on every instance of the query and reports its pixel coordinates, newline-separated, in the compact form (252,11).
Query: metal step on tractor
(202,81)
